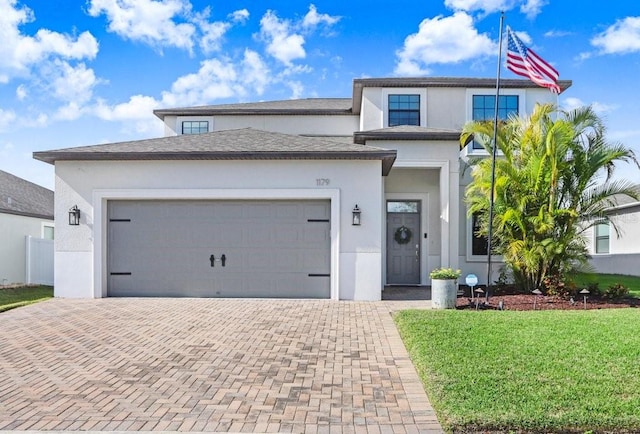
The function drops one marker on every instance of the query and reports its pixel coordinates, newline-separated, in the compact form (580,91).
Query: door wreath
(402,235)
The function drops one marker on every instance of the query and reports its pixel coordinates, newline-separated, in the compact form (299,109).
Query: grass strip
(605,280)
(10,298)
(543,371)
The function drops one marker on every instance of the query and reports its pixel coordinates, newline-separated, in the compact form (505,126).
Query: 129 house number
(322,182)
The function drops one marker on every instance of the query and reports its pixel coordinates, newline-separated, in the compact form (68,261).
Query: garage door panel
(271,247)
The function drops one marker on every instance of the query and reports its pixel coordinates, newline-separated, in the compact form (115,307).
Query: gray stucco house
(313,198)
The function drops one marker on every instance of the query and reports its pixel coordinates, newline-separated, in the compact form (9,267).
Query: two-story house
(311,198)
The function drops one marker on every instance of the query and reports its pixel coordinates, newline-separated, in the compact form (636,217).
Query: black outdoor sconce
(355,216)
(74,216)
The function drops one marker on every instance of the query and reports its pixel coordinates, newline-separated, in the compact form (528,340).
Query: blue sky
(90,72)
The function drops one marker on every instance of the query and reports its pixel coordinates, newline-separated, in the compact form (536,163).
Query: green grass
(11,298)
(537,371)
(604,280)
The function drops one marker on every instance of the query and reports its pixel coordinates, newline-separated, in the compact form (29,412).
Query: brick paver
(209,365)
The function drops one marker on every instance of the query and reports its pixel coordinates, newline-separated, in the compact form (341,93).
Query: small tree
(553,181)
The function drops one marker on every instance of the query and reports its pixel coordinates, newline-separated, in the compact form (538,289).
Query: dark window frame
(483,108)
(403,109)
(190,127)
(479,244)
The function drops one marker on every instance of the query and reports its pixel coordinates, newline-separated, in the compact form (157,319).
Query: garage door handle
(222,259)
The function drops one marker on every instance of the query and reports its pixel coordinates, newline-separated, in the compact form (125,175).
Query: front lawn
(11,298)
(604,280)
(536,371)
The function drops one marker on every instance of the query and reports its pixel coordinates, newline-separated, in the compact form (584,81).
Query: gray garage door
(175,249)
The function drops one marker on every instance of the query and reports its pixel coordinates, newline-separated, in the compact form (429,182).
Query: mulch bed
(515,301)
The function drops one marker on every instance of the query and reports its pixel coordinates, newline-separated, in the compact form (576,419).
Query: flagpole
(494,152)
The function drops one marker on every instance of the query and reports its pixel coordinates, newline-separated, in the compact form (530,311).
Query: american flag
(525,62)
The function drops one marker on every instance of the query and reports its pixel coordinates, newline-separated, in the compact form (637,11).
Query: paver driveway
(208,365)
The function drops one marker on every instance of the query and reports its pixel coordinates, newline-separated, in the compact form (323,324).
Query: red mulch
(512,301)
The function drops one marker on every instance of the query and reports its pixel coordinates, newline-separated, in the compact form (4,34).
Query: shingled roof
(406,132)
(21,197)
(237,144)
(307,106)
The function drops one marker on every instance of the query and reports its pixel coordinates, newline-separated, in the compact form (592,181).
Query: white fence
(39,261)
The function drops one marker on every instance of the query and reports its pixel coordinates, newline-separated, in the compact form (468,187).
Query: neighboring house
(26,210)
(617,253)
(315,198)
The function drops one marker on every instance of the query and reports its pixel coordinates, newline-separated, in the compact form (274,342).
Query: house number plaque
(322,182)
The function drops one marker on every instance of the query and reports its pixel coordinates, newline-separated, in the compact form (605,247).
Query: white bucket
(444,293)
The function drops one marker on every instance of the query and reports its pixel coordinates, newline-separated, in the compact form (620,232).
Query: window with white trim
(48,232)
(404,110)
(484,106)
(602,232)
(195,127)
(479,243)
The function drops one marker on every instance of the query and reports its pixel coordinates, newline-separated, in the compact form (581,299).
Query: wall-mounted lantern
(355,216)
(74,216)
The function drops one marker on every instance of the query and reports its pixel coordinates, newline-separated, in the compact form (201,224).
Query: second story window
(195,127)
(484,107)
(404,110)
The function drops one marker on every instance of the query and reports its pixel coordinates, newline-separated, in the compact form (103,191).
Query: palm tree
(553,182)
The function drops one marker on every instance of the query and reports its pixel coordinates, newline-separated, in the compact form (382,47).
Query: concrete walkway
(209,365)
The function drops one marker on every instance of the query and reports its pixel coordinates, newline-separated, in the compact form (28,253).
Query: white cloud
(19,53)
(69,112)
(531,8)
(215,79)
(165,23)
(138,111)
(212,32)
(255,72)
(284,38)
(282,42)
(138,107)
(488,6)
(442,40)
(620,38)
(72,83)
(556,33)
(573,103)
(7,118)
(21,92)
(239,16)
(149,21)
(312,19)
(296,89)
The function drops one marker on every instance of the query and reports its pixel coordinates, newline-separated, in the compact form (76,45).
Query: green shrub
(557,286)
(616,290)
(594,289)
(445,273)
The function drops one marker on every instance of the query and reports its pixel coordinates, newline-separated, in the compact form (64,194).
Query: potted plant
(444,288)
